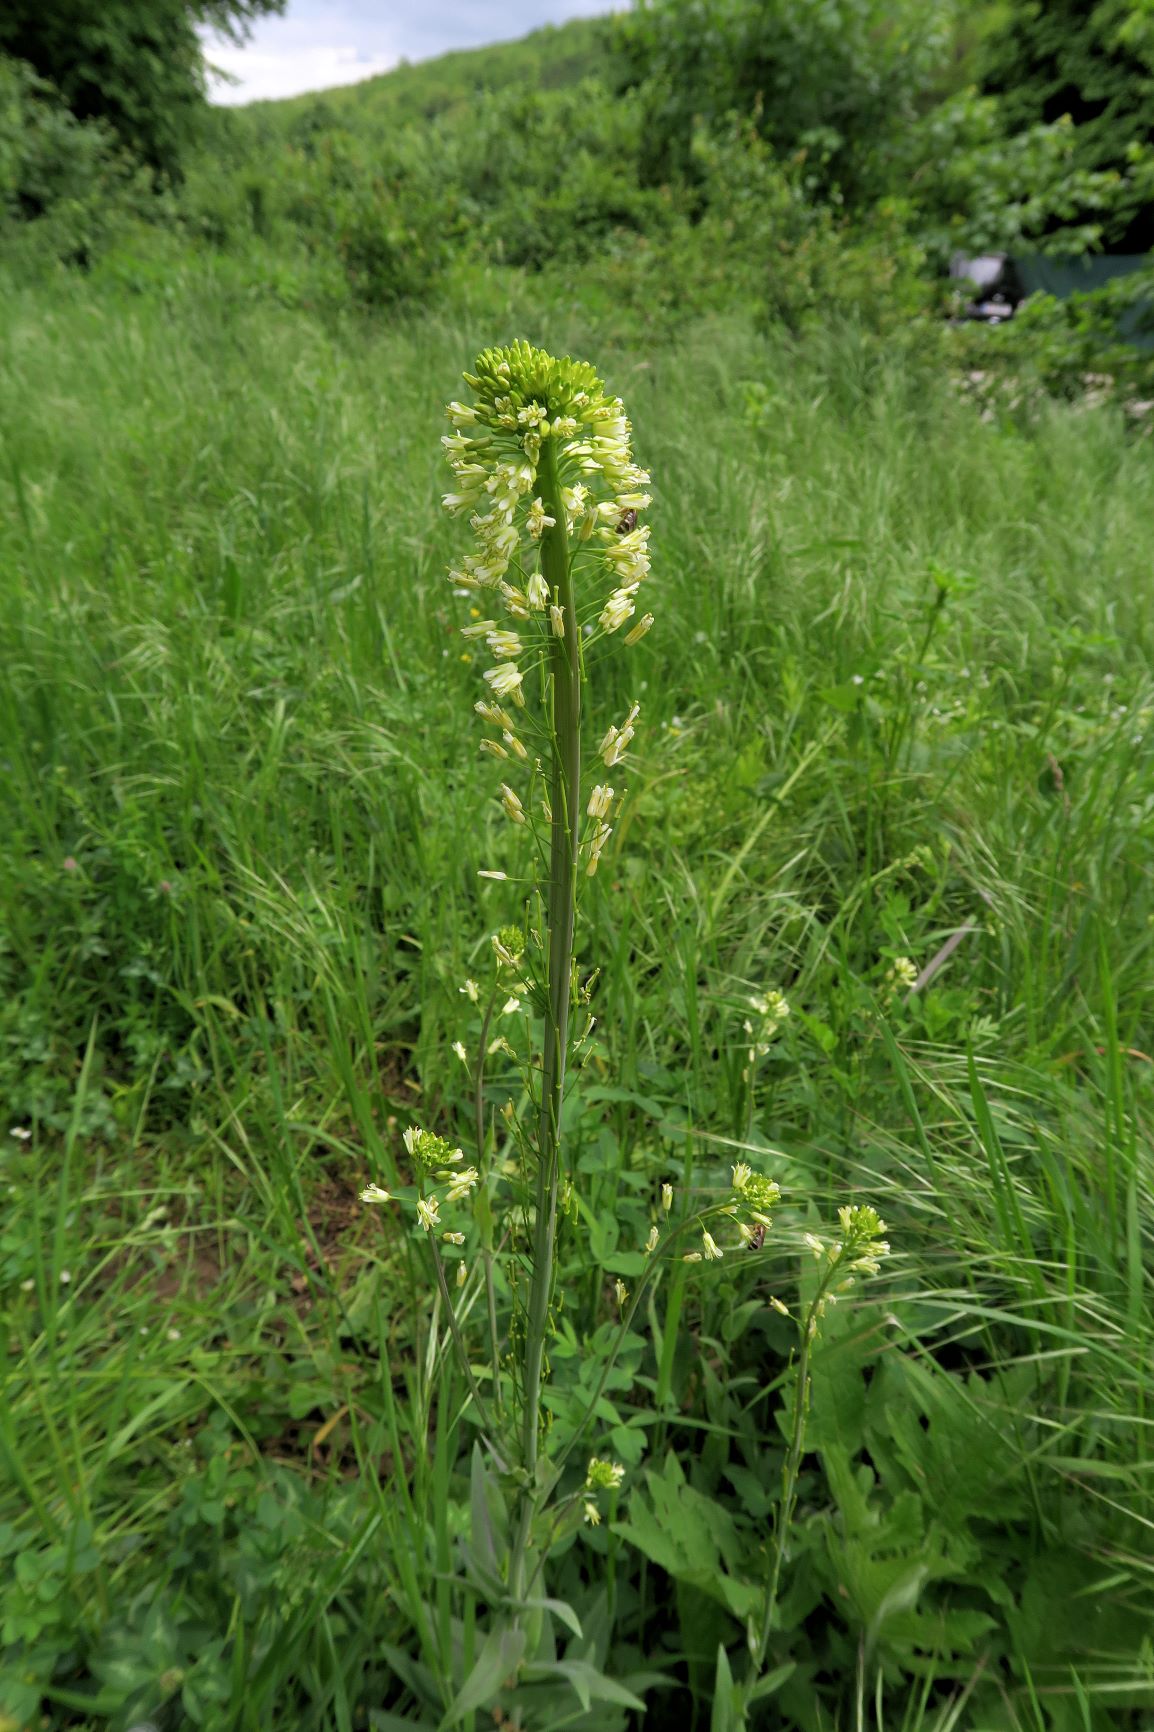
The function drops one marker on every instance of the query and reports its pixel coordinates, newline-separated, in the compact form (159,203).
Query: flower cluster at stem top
(751,1198)
(544,472)
(438,1164)
(600,1476)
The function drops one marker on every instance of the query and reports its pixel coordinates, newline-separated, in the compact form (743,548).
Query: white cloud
(321,43)
(272,65)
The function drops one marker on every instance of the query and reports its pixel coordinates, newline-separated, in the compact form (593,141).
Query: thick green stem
(565,832)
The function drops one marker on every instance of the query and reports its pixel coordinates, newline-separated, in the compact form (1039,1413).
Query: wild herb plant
(546,476)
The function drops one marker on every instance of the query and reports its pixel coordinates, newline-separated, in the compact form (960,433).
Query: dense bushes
(63,183)
(1094,64)
(798,160)
(136,65)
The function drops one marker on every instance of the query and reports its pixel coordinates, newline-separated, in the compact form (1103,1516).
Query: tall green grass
(900,689)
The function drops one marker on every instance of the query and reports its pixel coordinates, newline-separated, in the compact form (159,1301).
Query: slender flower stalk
(565,806)
(860,1250)
(545,475)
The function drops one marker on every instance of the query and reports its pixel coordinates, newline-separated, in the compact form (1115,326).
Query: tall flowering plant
(546,479)
(545,475)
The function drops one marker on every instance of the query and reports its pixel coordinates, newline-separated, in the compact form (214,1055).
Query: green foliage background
(899,690)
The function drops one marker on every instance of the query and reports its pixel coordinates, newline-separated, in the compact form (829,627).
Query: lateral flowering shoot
(770,1011)
(544,473)
(437,1162)
(603,1475)
(753,1194)
(429,1150)
(859,1251)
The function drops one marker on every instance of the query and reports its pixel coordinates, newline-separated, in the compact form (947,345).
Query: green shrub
(62,181)
(836,80)
(1094,64)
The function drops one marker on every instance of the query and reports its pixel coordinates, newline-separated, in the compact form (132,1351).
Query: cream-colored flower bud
(538,592)
(512,804)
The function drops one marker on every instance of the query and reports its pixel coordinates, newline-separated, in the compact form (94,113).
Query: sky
(319,43)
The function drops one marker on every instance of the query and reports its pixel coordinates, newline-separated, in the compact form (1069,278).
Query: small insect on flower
(627,521)
(756,1237)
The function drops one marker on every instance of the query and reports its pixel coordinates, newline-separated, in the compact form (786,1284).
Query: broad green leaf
(771,1681)
(589,1684)
(499,1657)
(560,1609)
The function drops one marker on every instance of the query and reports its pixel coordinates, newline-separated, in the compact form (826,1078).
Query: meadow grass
(900,689)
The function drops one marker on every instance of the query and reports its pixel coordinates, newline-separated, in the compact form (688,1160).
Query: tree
(835,80)
(1095,63)
(138,65)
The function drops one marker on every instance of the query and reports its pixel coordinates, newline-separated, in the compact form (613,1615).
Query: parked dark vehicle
(1001,283)
(998,286)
